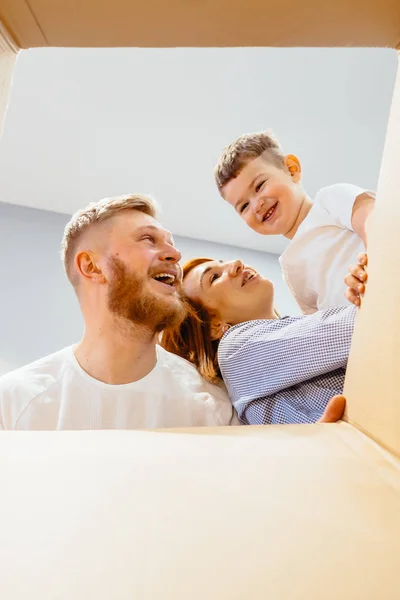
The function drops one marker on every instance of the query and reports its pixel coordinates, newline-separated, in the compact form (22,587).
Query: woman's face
(231,291)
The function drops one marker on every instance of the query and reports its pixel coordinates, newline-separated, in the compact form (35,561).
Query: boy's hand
(356,280)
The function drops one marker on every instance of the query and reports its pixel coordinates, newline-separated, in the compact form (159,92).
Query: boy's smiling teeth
(269,213)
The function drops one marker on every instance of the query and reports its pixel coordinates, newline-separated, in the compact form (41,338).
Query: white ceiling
(84,124)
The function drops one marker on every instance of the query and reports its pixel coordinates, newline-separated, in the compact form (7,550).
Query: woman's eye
(243,207)
(213,277)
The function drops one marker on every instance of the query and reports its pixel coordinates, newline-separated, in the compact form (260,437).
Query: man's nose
(171,254)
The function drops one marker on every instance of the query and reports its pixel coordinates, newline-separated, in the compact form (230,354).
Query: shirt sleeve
(260,358)
(338,200)
(306,309)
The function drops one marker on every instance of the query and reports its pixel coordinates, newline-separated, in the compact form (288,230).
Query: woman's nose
(235,268)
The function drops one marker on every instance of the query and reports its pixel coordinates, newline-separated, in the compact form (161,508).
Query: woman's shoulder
(242,339)
(258,326)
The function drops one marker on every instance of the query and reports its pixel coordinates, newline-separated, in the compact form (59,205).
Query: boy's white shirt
(316,260)
(56,393)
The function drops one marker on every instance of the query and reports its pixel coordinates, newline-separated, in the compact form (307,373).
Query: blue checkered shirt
(286,370)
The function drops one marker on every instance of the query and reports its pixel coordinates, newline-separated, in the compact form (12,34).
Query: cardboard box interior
(293,512)
(287,512)
(164,23)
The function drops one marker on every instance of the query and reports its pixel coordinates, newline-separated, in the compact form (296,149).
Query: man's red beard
(129,300)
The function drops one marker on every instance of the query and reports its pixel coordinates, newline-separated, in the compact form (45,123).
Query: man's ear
(217,329)
(293,165)
(87,267)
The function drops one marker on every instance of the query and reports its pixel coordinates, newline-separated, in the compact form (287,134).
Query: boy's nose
(258,208)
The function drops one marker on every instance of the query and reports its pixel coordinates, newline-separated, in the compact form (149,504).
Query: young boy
(264,186)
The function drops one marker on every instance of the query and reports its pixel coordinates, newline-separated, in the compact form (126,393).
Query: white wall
(73,135)
(38,310)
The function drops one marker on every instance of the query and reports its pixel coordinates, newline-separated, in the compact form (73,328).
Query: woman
(277,370)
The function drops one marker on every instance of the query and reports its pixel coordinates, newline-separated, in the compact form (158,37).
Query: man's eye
(213,277)
(243,207)
(148,237)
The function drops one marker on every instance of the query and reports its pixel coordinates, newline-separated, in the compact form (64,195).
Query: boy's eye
(243,207)
(259,186)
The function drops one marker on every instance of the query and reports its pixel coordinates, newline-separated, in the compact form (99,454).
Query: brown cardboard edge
(8,39)
(22,24)
(21,19)
(378,420)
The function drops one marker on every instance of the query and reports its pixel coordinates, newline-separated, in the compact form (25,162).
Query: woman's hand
(356,280)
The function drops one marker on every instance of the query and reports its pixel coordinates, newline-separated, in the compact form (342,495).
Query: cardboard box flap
(372,380)
(279,512)
(169,23)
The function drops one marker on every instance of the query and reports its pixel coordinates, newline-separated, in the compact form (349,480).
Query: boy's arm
(349,206)
(363,207)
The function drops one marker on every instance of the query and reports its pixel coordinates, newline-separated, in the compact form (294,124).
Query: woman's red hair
(192,340)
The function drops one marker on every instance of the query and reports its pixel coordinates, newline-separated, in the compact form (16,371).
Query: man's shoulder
(36,376)
(171,360)
(186,374)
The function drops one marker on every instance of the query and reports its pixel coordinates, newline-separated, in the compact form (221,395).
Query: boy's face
(268,198)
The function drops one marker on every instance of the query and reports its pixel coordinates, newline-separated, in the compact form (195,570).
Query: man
(125,270)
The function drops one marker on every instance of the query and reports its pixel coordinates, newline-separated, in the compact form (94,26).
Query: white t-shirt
(316,260)
(56,393)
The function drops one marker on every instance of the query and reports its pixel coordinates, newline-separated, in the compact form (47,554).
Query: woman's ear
(217,329)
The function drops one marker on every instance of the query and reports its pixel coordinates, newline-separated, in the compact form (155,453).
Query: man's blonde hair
(244,149)
(93,214)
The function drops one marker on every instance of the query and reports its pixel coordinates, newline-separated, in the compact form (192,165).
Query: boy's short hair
(244,149)
(95,213)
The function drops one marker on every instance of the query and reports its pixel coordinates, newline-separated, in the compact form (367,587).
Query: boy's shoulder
(332,206)
(337,192)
